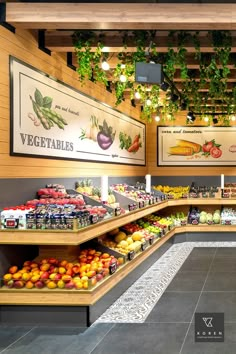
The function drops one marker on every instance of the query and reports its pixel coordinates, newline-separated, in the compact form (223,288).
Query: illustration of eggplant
(105,136)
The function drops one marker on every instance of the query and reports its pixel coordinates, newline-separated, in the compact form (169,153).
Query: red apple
(69,285)
(39,284)
(44,275)
(13,269)
(18,284)
(99,276)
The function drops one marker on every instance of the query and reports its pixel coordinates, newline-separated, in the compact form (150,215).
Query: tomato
(215,152)
(207,146)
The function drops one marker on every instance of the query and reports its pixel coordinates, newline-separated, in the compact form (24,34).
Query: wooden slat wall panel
(24,46)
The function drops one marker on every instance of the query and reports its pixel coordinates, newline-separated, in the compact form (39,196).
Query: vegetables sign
(50,119)
(199,146)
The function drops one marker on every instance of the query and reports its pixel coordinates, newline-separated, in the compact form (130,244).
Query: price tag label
(193,195)
(117,211)
(131,255)
(151,240)
(93,218)
(227,222)
(195,222)
(112,268)
(144,245)
(141,204)
(131,207)
(11,223)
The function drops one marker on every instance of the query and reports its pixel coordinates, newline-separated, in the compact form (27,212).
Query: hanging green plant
(201,93)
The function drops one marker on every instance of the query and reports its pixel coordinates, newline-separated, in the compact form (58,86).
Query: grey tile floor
(205,282)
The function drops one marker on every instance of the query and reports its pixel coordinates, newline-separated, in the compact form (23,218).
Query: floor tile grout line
(101,339)
(197,303)
(17,340)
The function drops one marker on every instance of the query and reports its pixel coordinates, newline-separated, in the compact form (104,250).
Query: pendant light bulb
(157,118)
(137,95)
(148,102)
(123,78)
(105,65)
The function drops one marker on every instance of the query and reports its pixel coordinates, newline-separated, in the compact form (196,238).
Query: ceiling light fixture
(164,86)
(190,117)
(215,120)
(123,78)
(174,97)
(105,49)
(105,65)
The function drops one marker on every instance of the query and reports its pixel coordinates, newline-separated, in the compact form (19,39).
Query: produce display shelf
(57,297)
(54,238)
(61,237)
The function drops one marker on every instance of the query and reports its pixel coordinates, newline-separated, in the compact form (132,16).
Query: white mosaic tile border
(135,304)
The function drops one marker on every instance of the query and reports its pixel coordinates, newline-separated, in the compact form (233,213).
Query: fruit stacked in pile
(56,194)
(137,195)
(90,267)
(157,221)
(123,243)
(86,187)
(173,192)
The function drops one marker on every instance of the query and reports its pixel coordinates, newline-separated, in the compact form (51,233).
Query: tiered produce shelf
(71,238)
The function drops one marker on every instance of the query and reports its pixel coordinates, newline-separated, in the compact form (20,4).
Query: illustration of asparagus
(42,108)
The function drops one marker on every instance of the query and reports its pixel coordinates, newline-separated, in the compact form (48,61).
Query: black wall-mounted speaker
(148,73)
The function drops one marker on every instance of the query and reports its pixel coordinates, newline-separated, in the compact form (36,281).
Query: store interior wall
(23,45)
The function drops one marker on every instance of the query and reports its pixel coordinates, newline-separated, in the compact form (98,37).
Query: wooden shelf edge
(58,237)
(77,298)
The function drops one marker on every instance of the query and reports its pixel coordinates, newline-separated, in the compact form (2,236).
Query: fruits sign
(198,146)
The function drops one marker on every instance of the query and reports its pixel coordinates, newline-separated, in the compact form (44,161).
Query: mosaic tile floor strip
(135,304)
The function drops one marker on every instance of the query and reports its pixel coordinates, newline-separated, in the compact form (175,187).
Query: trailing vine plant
(199,92)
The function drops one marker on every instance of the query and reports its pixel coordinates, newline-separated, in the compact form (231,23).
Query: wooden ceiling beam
(132,16)
(191,63)
(61,41)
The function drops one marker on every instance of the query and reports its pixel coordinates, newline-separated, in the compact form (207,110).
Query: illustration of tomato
(207,146)
(215,152)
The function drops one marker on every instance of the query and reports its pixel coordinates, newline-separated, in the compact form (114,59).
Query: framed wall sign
(196,146)
(53,120)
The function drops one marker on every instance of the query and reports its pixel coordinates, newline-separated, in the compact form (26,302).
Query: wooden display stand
(65,245)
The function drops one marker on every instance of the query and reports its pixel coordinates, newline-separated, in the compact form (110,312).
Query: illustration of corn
(184,148)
